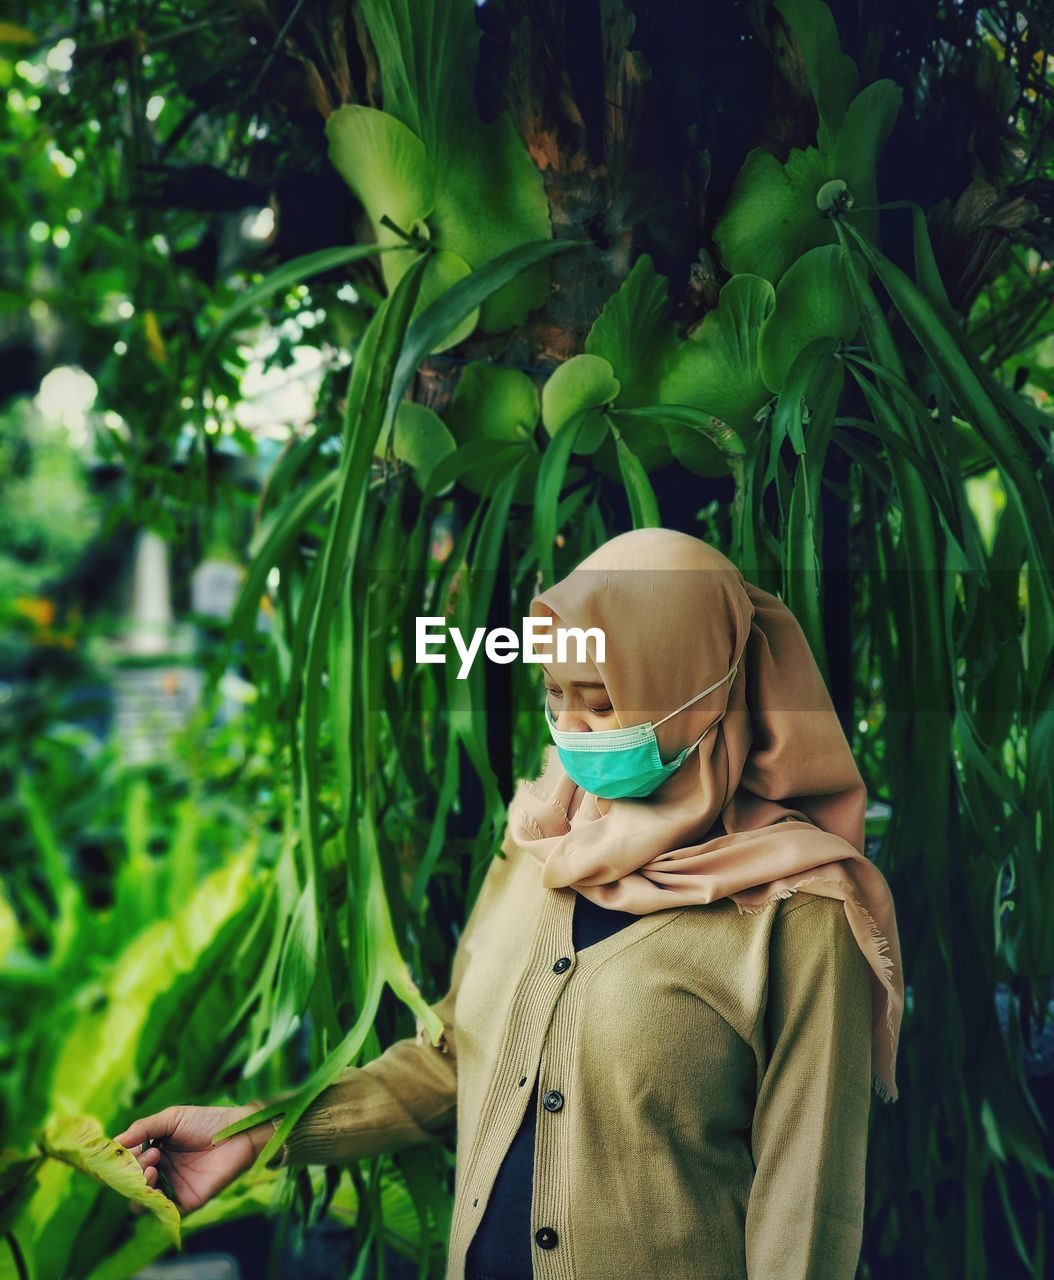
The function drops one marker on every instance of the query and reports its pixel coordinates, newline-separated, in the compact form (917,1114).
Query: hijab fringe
(532,827)
(552,800)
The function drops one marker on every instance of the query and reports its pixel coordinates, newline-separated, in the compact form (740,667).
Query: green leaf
(369,400)
(388,168)
(719,433)
(771,214)
(490,195)
(295,977)
(893,442)
(953,360)
(694,451)
(95,1060)
(422,440)
(813,301)
(926,271)
(494,403)
(141,1242)
(787,419)
(484,459)
(491,200)
(645,434)
(79,1141)
(861,140)
(445,269)
(802,564)
(771,217)
(868,123)
(583,382)
(636,334)
(833,77)
(17,1182)
(549,486)
(56,871)
(445,312)
(1039,783)
(644,508)
(716,368)
(699,441)
(271,542)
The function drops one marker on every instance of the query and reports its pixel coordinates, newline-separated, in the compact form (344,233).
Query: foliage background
(200,338)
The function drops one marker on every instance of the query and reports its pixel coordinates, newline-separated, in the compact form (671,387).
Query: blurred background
(282,297)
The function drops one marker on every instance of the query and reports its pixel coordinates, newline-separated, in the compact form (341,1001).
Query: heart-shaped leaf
(635,333)
(716,369)
(583,382)
(492,403)
(813,300)
(389,170)
(772,217)
(422,440)
(771,214)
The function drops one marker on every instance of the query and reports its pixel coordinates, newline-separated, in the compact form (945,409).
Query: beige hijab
(677,615)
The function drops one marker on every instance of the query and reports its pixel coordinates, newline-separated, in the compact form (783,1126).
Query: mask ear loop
(719,718)
(731,675)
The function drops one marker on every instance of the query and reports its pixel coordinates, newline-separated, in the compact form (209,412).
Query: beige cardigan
(715,1070)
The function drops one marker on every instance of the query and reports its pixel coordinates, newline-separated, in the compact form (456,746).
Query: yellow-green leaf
(80,1141)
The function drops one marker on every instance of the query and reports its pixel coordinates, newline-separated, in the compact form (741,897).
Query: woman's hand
(195,1169)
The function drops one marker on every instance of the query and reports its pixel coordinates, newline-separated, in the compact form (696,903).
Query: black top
(501,1247)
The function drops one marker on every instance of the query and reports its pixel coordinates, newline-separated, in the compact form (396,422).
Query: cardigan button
(553,1100)
(546,1237)
(562,965)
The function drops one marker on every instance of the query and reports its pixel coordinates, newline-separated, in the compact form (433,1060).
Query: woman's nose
(568,722)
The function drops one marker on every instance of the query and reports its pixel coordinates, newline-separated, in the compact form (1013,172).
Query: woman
(674,993)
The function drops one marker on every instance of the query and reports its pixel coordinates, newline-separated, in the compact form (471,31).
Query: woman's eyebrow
(577,684)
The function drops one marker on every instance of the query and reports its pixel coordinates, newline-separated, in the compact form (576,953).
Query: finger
(151,1179)
(155,1126)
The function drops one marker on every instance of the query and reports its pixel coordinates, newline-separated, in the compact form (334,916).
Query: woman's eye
(597,711)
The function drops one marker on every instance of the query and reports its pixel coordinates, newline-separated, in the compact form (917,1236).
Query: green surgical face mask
(617,764)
